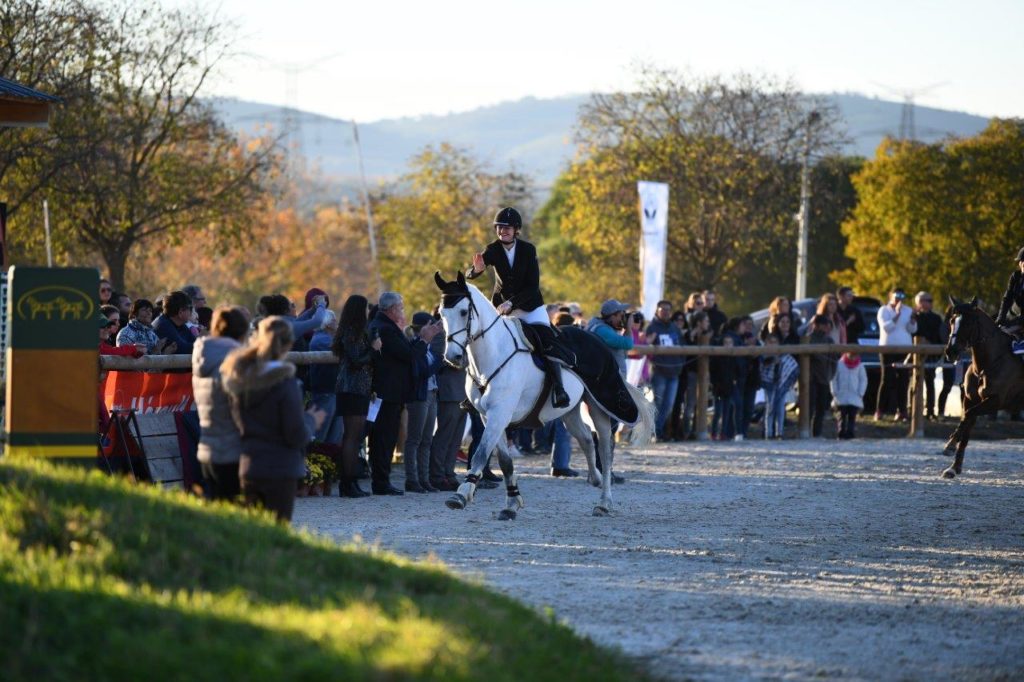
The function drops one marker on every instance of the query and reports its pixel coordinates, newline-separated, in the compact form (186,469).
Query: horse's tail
(644,429)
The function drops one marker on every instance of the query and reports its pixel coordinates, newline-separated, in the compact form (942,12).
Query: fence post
(917,395)
(700,414)
(804,396)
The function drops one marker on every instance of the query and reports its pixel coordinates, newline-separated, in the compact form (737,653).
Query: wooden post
(804,396)
(700,414)
(917,395)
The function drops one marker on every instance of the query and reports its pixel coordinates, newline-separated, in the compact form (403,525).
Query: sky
(380,59)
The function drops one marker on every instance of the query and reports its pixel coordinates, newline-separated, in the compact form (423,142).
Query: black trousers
(221,480)
(821,397)
(947,385)
(847,420)
(274,494)
(892,389)
(383,438)
(929,388)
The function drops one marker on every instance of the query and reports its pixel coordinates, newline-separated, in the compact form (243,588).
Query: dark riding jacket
(519,282)
(1014,294)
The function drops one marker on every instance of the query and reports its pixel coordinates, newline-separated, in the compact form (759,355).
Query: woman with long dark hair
(355,379)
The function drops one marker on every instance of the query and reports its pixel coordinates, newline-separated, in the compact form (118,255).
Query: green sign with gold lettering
(52,362)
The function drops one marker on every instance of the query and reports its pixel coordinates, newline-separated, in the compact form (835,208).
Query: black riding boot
(559,398)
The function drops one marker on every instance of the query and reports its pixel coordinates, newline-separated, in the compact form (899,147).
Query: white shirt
(511,253)
(893,329)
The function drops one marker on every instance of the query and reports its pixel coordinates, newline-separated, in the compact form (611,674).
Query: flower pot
(302,490)
(325,488)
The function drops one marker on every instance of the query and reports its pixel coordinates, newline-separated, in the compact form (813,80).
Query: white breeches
(536,316)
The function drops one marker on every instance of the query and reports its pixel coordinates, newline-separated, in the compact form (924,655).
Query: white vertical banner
(653,243)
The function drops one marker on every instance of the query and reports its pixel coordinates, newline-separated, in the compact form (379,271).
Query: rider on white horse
(517,289)
(1014,295)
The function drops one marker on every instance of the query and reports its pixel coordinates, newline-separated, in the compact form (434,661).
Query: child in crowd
(848,387)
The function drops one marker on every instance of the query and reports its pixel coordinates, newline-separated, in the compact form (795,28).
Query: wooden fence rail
(803,352)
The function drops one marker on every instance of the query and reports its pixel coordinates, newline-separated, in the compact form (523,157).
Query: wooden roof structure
(23,107)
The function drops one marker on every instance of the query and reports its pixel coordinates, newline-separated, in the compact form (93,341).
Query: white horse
(504,385)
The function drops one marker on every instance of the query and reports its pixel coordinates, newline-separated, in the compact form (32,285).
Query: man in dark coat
(850,313)
(716,316)
(517,288)
(451,421)
(1014,295)
(929,330)
(392,383)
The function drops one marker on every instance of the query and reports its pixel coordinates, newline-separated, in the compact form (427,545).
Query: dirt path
(723,561)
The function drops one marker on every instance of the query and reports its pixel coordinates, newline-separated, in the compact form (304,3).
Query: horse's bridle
(973,339)
(450,338)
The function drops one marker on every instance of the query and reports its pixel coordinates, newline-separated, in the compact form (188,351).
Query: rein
(470,339)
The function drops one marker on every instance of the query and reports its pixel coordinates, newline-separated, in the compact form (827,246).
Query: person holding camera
(897,323)
(615,328)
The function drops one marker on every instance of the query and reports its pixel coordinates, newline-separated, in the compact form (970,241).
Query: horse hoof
(507,515)
(949,473)
(456,501)
(600,510)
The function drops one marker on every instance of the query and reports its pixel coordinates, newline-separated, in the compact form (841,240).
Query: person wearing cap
(930,331)
(615,328)
(611,328)
(896,325)
(1014,296)
(517,289)
(577,314)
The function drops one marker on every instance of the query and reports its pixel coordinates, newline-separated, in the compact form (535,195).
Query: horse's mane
(478,297)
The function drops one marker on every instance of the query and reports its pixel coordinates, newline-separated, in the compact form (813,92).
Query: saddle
(585,354)
(546,341)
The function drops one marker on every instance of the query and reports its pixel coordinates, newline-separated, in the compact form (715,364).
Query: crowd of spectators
(389,389)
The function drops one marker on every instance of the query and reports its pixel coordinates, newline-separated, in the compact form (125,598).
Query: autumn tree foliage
(289,251)
(134,156)
(945,217)
(730,151)
(440,214)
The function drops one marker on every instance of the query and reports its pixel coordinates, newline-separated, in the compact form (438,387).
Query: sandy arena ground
(752,560)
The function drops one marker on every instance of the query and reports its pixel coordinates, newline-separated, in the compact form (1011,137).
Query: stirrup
(559,398)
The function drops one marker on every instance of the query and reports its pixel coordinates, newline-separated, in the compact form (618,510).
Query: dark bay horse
(993,382)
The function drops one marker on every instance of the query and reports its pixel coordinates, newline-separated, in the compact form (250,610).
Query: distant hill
(535,135)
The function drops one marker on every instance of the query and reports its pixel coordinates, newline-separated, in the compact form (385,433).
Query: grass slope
(100,579)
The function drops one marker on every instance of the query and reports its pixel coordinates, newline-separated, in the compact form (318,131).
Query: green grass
(104,580)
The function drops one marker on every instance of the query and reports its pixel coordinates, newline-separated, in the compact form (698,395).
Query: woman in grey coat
(219,442)
(266,403)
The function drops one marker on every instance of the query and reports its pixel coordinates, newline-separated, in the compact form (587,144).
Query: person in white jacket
(848,387)
(897,323)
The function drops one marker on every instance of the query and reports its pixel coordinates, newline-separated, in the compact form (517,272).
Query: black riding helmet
(508,216)
(1020,254)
